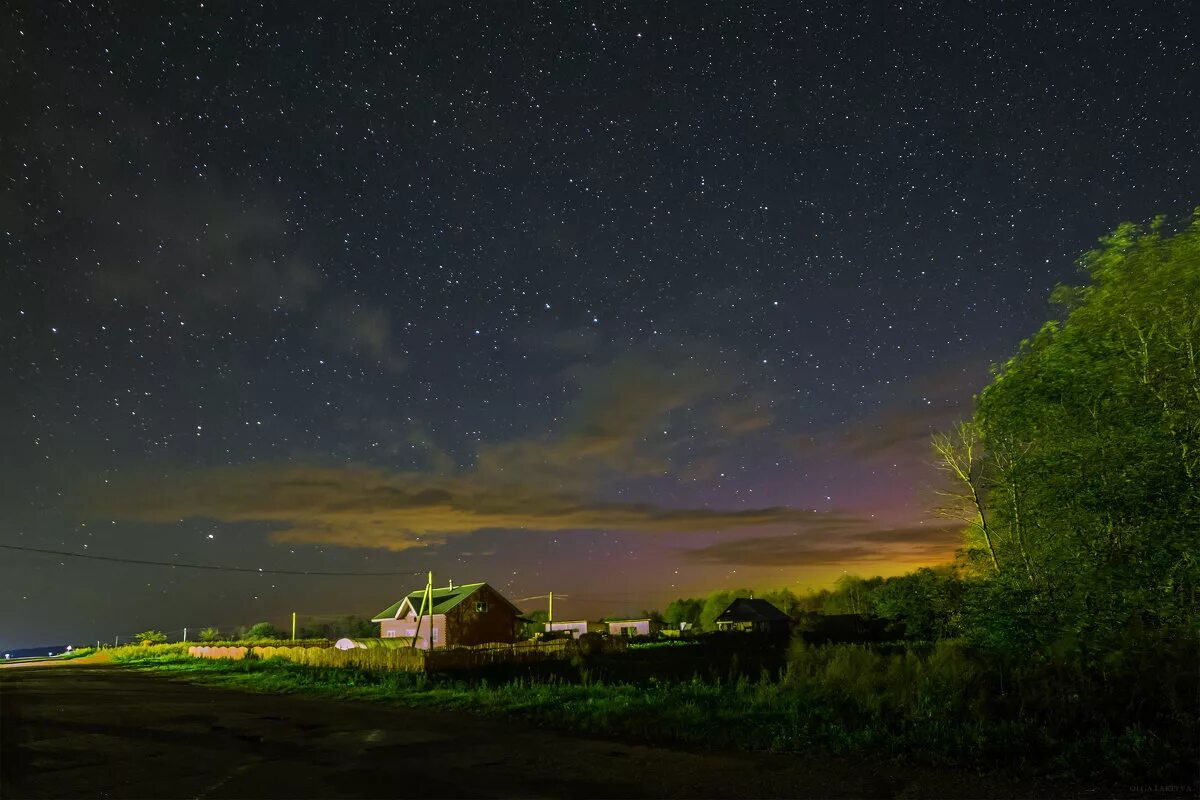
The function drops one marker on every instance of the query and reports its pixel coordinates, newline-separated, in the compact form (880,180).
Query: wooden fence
(401,659)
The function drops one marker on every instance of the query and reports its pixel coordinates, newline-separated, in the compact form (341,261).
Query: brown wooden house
(474,613)
(748,614)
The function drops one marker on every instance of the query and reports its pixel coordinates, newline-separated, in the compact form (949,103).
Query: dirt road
(102,731)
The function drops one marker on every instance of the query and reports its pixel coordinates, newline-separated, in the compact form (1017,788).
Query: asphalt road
(107,732)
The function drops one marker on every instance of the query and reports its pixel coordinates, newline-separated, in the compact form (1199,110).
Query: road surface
(107,732)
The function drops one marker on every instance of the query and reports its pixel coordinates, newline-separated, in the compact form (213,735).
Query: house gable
(486,617)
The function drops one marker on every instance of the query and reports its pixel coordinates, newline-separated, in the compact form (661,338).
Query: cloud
(629,418)
(369,507)
(900,429)
(644,413)
(355,324)
(179,241)
(824,541)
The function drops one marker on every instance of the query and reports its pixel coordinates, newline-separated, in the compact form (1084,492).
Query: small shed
(632,627)
(751,615)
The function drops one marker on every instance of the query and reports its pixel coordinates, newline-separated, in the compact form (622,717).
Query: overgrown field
(1133,720)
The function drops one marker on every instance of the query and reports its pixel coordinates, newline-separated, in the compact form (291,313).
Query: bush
(151,637)
(262,630)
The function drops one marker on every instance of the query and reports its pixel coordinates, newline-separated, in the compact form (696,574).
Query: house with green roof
(470,614)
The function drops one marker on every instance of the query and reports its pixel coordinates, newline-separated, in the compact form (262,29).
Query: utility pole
(429,605)
(550,613)
(293,626)
(426,601)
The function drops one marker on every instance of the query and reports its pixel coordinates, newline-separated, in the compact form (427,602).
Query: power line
(211,567)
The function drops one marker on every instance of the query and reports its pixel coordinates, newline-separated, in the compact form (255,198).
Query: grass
(940,705)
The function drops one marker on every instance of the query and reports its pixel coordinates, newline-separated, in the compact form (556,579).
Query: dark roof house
(470,614)
(749,614)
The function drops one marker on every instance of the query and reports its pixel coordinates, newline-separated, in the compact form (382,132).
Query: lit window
(390,634)
(481,607)
(435,634)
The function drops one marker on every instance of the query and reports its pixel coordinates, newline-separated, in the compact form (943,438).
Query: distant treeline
(922,606)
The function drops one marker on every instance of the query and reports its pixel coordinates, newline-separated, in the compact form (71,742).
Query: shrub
(262,630)
(151,637)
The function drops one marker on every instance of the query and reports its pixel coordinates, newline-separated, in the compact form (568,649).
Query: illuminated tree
(1080,471)
(262,630)
(151,637)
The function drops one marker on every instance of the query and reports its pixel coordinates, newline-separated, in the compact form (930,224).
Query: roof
(748,609)
(444,599)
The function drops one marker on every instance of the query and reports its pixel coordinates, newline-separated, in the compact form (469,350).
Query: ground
(96,730)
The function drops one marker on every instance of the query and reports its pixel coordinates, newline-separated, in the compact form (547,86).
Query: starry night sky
(622,302)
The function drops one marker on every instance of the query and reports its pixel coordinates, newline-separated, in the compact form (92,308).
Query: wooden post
(426,600)
(417,630)
(429,605)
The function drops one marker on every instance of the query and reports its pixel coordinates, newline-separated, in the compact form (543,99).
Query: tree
(262,630)
(652,615)
(684,610)
(960,456)
(717,602)
(785,600)
(1082,460)
(536,624)
(210,635)
(927,602)
(151,637)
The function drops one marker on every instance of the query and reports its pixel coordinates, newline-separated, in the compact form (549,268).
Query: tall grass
(1132,718)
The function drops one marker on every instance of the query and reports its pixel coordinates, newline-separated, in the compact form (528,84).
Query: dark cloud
(901,427)
(630,417)
(823,541)
(367,507)
(645,412)
(183,243)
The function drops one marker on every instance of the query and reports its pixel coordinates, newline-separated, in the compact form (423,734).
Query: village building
(633,627)
(461,616)
(576,627)
(749,614)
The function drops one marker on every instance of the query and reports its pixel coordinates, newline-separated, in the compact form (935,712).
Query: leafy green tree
(785,600)
(684,610)
(262,630)
(652,615)
(717,602)
(209,635)
(361,627)
(926,602)
(536,624)
(151,637)
(1079,475)
(852,595)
